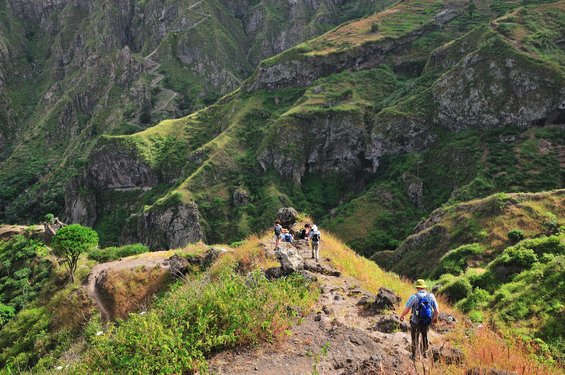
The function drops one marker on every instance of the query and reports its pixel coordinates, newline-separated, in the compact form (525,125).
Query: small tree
(71,241)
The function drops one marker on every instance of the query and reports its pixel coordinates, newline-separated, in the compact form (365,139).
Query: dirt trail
(149,260)
(336,338)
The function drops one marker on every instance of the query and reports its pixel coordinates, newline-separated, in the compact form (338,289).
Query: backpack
(302,234)
(424,310)
(316,237)
(287,237)
(278,229)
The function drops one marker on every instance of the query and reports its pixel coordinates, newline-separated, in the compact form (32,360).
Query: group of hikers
(310,233)
(422,305)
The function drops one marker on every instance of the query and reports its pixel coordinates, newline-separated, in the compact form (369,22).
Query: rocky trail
(342,335)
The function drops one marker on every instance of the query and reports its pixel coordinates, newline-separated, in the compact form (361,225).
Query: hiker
(304,232)
(425,311)
(286,236)
(315,236)
(278,230)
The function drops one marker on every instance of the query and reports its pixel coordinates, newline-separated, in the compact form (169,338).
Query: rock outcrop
(165,228)
(289,258)
(287,216)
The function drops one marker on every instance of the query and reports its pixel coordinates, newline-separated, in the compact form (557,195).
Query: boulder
(386,300)
(240,197)
(391,323)
(274,273)
(289,258)
(211,255)
(318,268)
(178,266)
(448,355)
(287,216)
(446,323)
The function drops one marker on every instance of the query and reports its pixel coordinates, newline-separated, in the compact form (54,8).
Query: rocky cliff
(383,124)
(74,70)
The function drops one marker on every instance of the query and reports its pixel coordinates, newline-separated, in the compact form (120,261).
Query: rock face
(165,228)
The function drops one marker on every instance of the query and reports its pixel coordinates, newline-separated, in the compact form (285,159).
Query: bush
(516,235)
(6,313)
(455,261)
(476,316)
(458,290)
(114,253)
(477,300)
(374,27)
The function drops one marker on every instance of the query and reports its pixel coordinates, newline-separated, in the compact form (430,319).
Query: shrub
(455,261)
(477,300)
(6,313)
(114,253)
(516,235)
(71,241)
(476,316)
(458,290)
(374,27)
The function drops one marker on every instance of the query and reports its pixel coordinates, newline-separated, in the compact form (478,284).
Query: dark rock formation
(448,355)
(240,197)
(212,255)
(178,266)
(391,323)
(386,300)
(288,217)
(165,227)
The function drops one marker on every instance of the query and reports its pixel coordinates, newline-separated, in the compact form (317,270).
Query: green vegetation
(115,253)
(199,317)
(521,290)
(24,270)
(70,242)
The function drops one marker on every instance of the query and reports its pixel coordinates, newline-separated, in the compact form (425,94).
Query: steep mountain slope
(502,256)
(380,121)
(72,70)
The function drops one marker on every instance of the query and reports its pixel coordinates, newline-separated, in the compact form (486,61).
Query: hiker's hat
(420,283)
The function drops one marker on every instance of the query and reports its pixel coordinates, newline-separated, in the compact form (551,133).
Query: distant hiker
(315,236)
(425,310)
(286,236)
(304,232)
(278,230)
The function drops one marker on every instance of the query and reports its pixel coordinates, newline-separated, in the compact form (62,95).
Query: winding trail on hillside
(337,337)
(149,260)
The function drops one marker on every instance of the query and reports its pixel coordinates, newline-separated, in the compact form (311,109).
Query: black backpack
(316,237)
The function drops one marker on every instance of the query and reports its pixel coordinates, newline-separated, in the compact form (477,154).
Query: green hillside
(379,146)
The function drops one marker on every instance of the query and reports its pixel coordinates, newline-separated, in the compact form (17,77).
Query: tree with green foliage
(71,241)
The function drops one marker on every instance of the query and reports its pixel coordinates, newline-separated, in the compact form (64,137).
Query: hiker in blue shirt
(425,310)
